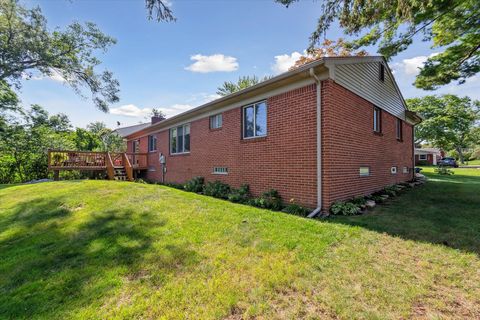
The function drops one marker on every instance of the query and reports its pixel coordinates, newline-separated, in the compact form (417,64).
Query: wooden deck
(110,162)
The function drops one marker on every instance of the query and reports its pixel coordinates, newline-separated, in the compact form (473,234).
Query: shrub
(391,191)
(268,200)
(443,170)
(217,189)
(240,195)
(296,209)
(173,185)
(359,201)
(423,163)
(344,208)
(195,185)
(140,180)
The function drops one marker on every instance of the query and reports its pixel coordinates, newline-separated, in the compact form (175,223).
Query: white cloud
(55,76)
(284,62)
(130,110)
(412,66)
(213,63)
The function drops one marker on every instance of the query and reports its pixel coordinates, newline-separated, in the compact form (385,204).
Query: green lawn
(473,163)
(100,249)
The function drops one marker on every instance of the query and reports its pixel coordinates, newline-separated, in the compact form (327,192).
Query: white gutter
(319,145)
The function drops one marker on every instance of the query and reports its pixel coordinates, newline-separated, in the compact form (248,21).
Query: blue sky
(177,66)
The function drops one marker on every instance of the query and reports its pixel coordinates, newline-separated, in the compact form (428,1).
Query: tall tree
(328,48)
(450,122)
(27,47)
(229,87)
(453,26)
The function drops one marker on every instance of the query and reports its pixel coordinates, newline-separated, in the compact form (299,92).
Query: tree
(229,87)
(452,25)
(27,47)
(158,114)
(329,48)
(450,122)
(160,10)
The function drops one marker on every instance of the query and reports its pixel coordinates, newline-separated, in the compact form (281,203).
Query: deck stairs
(120,173)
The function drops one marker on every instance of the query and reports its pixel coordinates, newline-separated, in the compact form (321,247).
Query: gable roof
(126,131)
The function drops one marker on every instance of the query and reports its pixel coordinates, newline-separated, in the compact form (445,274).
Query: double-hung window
(255,120)
(152,143)
(377,120)
(399,129)
(180,139)
(216,121)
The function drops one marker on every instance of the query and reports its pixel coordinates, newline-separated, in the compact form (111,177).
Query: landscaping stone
(370,204)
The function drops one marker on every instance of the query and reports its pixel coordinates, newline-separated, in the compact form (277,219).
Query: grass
(473,163)
(118,250)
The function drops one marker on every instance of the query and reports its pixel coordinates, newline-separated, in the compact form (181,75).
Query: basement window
(405,169)
(220,170)
(364,171)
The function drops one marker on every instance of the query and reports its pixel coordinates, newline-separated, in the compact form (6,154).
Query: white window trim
(215,116)
(183,137)
(364,174)
(219,172)
(422,157)
(254,105)
(148,140)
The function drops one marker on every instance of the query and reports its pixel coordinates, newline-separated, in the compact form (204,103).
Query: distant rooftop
(125,131)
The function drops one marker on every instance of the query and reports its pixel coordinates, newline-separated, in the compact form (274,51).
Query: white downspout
(319,145)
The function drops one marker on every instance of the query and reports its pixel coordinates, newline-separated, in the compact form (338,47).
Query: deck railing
(138,160)
(59,159)
(89,160)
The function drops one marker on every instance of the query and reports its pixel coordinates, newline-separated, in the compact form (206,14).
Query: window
(255,120)
(152,143)
(422,157)
(216,121)
(220,170)
(180,139)
(405,169)
(399,129)
(377,120)
(381,75)
(136,146)
(364,171)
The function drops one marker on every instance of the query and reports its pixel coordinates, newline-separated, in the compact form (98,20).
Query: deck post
(56,175)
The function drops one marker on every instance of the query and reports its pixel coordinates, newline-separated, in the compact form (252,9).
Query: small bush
(217,189)
(359,201)
(268,200)
(139,180)
(173,185)
(391,191)
(195,185)
(344,208)
(240,195)
(296,209)
(423,163)
(443,171)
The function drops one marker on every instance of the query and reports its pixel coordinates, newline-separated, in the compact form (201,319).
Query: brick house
(429,156)
(330,130)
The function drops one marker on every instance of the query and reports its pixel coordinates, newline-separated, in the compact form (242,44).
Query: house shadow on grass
(445,211)
(49,265)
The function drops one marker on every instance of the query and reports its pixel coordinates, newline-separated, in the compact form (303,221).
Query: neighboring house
(330,130)
(126,131)
(428,156)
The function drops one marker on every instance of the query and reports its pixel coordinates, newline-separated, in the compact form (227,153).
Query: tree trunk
(460,154)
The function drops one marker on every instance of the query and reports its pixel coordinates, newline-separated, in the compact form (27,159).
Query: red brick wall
(284,160)
(348,142)
(428,161)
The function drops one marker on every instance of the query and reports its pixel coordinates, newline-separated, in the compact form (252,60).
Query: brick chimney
(156,119)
